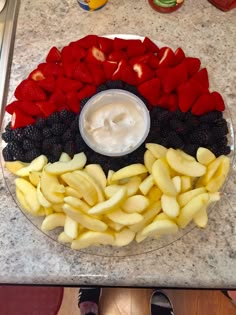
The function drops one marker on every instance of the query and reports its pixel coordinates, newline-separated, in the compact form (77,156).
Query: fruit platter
(124,203)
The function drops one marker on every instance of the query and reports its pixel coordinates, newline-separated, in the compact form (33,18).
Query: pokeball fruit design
(187,126)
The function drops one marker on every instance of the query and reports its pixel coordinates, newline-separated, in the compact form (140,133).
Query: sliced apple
(77,203)
(124,218)
(51,188)
(124,237)
(185,197)
(129,171)
(53,221)
(157,150)
(205,156)
(91,238)
(41,198)
(64,157)
(34,178)
(160,227)
(35,166)
(170,206)
(217,181)
(69,191)
(186,183)
(184,166)
(97,173)
(15,166)
(201,218)
(30,194)
(71,228)
(63,238)
(136,203)
(147,184)
(177,183)
(149,159)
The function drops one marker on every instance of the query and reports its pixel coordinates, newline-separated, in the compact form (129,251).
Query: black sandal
(161,304)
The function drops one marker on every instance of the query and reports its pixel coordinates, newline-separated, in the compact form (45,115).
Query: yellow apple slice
(186,156)
(149,159)
(124,218)
(15,166)
(154,194)
(97,173)
(157,150)
(41,198)
(53,221)
(71,228)
(129,171)
(85,220)
(184,166)
(63,238)
(30,194)
(189,211)
(217,181)
(69,191)
(111,204)
(136,203)
(58,207)
(35,166)
(160,227)
(146,185)
(48,211)
(205,156)
(177,183)
(211,170)
(91,238)
(109,177)
(51,188)
(124,237)
(34,178)
(186,183)
(64,157)
(162,178)
(201,218)
(78,162)
(114,226)
(185,197)
(170,206)
(77,203)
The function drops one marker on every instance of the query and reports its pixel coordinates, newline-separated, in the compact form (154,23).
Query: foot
(161,304)
(88,301)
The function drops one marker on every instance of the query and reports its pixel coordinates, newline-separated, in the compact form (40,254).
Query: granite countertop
(201,258)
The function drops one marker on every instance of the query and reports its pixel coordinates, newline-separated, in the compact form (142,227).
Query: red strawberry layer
(166,78)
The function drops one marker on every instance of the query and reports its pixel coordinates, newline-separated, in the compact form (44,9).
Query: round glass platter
(134,248)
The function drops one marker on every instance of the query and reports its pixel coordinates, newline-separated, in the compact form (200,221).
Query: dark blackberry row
(60,133)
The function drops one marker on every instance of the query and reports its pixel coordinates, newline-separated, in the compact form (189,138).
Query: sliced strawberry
(48,84)
(150,90)
(66,85)
(128,75)
(58,98)
(36,75)
(68,69)
(78,53)
(202,77)
(173,101)
(188,93)
(98,74)
(150,45)
(143,72)
(135,48)
(175,77)
(82,73)
(27,107)
(164,101)
(219,102)
(73,102)
(28,90)
(204,104)
(109,68)
(54,55)
(153,61)
(167,59)
(119,44)
(42,66)
(192,64)
(87,91)
(47,107)
(179,55)
(66,55)
(162,51)
(105,44)
(20,119)
(95,55)
(88,41)
(117,56)
(118,73)
(52,69)
(162,72)
(140,59)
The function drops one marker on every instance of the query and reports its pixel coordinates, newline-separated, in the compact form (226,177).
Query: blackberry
(58,129)
(70,148)
(101,88)
(7,136)
(220,150)
(32,133)
(7,154)
(178,126)
(131,88)
(31,155)
(164,116)
(56,151)
(117,84)
(8,127)
(211,117)
(75,124)
(16,151)
(54,118)
(40,123)
(165,132)
(192,122)
(155,111)
(223,141)
(201,137)
(68,135)
(84,101)
(155,123)
(51,158)
(191,149)
(177,114)
(48,143)
(174,141)
(47,132)
(28,145)
(221,123)
(80,144)
(219,132)
(18,134)
(66,117)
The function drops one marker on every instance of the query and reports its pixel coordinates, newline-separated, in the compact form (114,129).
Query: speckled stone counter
(201,258)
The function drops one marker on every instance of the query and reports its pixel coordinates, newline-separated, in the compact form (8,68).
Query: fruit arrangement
(138,201)
(105,200)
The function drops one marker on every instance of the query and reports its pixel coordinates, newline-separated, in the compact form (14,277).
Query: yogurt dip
(114,122)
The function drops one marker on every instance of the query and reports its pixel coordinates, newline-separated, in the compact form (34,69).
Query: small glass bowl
(163,9)
(113,96)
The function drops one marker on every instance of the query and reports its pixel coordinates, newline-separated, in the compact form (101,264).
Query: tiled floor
(136,302)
